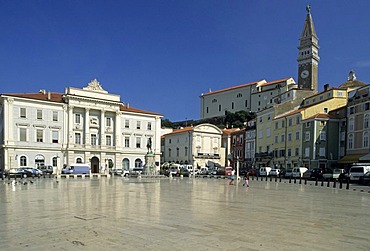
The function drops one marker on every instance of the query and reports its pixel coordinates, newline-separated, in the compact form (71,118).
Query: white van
(77,169)
(357,171)
(297,172)
(265,171)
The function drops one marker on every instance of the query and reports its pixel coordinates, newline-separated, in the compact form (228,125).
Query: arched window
(39,160)
(23,161)
(110,164)
(138,163)
(366,140)
(366,121)
(350,141)
(126,164)
(78,160)
(351,125)
(55,161)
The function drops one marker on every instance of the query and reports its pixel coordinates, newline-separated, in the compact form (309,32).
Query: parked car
(221,171)
(252,172)
(307,174)
(358,171)
(327,174)
(119,171)
(275,172)
(212,171)
(288,173)
(228,170)
(31,172)
(365,179)
(316,173)
(46,169)
(297,172)
(338,173)
(265,171)
(15,172)
(184,172)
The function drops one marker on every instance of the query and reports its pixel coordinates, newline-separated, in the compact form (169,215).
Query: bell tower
(308,57)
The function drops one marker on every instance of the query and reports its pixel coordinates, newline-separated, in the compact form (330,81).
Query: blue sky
(161,56)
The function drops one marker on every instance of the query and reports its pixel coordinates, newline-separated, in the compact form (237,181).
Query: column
(102,128)
(86,139)
(71,119)
(117,129)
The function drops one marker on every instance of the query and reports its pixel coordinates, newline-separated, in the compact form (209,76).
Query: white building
(199,146)
(253,97)
(86,125)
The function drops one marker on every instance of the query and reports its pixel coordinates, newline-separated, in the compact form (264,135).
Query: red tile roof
(184,129)
(232,88)
(135,110)
(54,96)
(275,82)
(58,97)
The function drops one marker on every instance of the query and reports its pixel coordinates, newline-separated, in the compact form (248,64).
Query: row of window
(232,106)
(177,152)
(109,122)
(39,114)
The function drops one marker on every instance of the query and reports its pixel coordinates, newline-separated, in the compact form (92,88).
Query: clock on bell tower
(308,57)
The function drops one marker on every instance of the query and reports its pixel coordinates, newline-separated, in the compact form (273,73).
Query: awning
(365,158)
(350,158)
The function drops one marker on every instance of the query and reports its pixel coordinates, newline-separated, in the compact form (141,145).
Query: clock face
(304,74)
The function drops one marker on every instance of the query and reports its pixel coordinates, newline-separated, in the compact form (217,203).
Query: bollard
(257,177)
(270,178)
(322,182)
(335,184)
(290,179)
(317,180)
(347,187)
(252,177)
(305,181)
(280,178)
(340,183)
(275,178)
(328,183)
(295,180)
(266,177)
(300,180)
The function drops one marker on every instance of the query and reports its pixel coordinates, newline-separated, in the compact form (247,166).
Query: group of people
(246,178)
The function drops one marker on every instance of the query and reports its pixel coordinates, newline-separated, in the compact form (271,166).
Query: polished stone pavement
(181,214)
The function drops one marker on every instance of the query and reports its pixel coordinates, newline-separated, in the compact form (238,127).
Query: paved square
(181,214)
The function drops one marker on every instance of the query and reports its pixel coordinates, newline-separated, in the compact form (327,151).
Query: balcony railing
(208,155)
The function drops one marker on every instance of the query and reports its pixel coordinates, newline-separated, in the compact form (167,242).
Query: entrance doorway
(95,165)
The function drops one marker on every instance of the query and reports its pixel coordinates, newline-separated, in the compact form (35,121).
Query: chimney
(49,95)
(326,87)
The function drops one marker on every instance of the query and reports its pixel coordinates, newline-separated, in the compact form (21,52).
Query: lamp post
(237,168)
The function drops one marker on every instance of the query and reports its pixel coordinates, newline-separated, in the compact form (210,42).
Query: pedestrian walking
(246,179)
(232,177)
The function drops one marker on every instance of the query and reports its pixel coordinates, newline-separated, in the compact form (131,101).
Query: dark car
(47,169)
(31,172)
(365,179)
(184,172)
(316,173)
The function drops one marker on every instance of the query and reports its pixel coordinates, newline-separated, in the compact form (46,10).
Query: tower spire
(308,57)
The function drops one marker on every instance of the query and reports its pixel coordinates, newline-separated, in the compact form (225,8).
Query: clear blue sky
(161,55)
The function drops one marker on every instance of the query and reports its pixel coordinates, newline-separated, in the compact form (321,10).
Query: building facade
(199,146)
(87,125)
